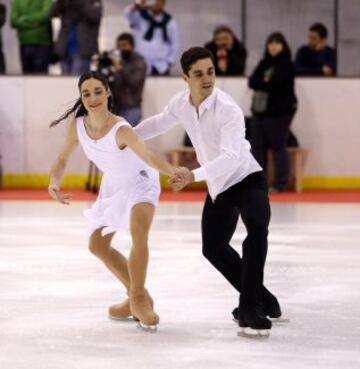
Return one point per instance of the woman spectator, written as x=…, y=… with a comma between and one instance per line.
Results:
x=273, y=106
x=229, y=53
x=2, y=22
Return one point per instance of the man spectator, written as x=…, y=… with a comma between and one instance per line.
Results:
x=129, y=79
x=155, y=34
x=2, y=22
x=317, y=58
x=78, y=38
x=31, y=19
x=229, y=53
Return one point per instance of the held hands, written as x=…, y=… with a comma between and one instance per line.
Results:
x=182, y=176
x=54, y=191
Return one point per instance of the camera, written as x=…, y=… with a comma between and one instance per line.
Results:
x=103, y=64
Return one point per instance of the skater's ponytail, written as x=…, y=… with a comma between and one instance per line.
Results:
x=79, y=109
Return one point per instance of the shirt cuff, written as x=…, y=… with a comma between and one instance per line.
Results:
x=199, y=174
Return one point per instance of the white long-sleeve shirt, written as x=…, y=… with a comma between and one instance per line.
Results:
x=217, y=131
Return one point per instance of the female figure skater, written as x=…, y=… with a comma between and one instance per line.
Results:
x=128, y=193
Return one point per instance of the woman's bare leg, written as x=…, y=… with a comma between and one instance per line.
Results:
x=140, y=302
x=100, y=246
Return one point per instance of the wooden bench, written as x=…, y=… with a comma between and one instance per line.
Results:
x=181, y=155
x=297, y=156
x=93, y=180
x=1, y=175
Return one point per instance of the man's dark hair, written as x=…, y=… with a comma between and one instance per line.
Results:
x=192, y=55
x=126, y=37
x=320, y=29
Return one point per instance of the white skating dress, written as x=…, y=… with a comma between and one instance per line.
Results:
x=127, y=180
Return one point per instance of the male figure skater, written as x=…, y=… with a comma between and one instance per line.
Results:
x=236, y=184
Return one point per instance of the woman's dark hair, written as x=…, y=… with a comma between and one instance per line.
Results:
x=223, y=28
x=192, y=55
x=79, y=108
x=278, y=38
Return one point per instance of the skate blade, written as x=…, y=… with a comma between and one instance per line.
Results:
x=258, y=334
x=122, y=319
x=147, y=328
x=279, y=320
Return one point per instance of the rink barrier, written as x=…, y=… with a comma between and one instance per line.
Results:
x=77, y=181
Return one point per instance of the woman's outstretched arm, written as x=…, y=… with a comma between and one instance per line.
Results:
x=58, y=168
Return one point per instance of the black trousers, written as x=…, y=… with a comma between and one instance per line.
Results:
x=249, y=199
x=35, y=58
x=2, y=61
x=272, y=133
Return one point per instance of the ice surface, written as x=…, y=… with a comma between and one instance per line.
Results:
x=54, y=294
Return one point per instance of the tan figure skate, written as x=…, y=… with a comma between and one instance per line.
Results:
x=141, y=307
x=122, y=311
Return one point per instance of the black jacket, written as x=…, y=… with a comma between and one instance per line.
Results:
x=310, y=62
x=2, y=19
x=129, y=83
x=236, y=58
x=87, y=15
x=280, y=87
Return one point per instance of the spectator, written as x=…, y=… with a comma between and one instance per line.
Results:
x=317, y=58
x=2, y=22
x=155, y=32
x=78, y=38
x=129, y=80
x=2, y=68
x=31, y=19
x=274, y=105
x=229, y=53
